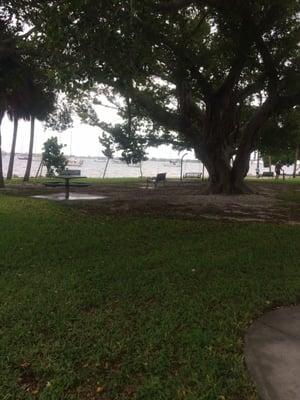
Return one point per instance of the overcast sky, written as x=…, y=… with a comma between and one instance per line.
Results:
x=81, y=140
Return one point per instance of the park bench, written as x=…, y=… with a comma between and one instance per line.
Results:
x=267, y=174
x=71, y=172
x=192, y=175
x=161, y=177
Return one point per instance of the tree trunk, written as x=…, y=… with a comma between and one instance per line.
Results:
x=270, y=164
x=106, y=165
x=224, y=178
x=296, y=160
x=141, y=171
x=224, y=181
x=13, y=149
x=29, y=161
x=2, y=185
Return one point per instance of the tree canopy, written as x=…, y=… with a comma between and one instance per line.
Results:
x=196, y=69
x=53, y=158
x=280, y=137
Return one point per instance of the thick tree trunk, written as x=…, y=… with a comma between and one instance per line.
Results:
x=29, y=161
x=224, y=178
x=295, y=162
x=2, y=185
x=13, y=150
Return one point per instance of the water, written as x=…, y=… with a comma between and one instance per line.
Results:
x=94, y=167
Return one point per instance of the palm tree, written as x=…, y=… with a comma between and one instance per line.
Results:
x=41, y=103
x=29, y=160
x=13, y=149
x=15, y=113
x=13, y=87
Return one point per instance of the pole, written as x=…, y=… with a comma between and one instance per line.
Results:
x=181, y=164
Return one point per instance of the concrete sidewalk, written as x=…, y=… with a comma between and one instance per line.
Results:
x=273, y=354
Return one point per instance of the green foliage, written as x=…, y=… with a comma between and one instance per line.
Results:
x=129, y=137
x=281, y=136
x=108, y=143
x=131, y=144
x=61, y=117
x=53, y=158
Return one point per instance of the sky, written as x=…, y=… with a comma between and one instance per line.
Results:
x=81, y=140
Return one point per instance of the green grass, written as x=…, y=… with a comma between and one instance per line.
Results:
x=123, y=308
x=287, y=181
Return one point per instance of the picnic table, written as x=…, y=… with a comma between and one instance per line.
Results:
x=67, y=176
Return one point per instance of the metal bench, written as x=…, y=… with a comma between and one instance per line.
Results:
x=267, y=174
x=192, y=175
x=161, y=177
x=71, y=172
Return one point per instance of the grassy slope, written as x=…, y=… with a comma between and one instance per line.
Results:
x=117, y=308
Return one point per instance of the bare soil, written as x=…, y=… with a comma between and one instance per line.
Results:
x=268, y=203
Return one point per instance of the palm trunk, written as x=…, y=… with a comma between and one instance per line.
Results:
x=13, y=149
x=29, y=161
x=2, y=185
x=105, y=169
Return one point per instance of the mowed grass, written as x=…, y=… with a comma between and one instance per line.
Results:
x=133, y=308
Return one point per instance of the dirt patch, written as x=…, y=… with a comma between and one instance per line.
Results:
x=186, y=200
x=28, y=381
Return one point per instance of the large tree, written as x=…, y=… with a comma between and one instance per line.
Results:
x=192, y=66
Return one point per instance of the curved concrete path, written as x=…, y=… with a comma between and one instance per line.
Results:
x=273, y=354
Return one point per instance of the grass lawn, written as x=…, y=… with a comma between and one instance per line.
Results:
x=111, y=308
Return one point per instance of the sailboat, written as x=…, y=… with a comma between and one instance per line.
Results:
x=73, y=161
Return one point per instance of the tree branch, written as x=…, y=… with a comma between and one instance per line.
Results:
x=182, y=53
x=250, y=132
x=252, y=88
x=233, y=75
x=27, y=34
x=269, y=65
x=156, y=112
